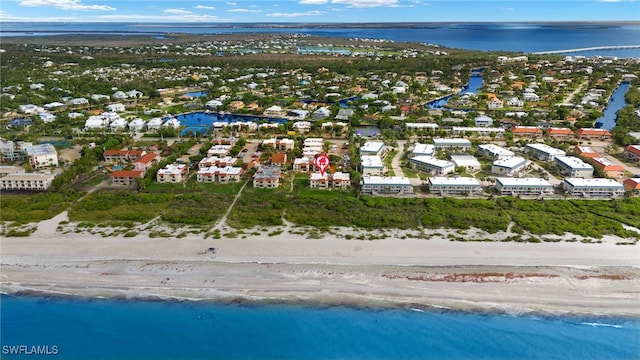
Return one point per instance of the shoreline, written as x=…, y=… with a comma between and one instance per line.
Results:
x=548, y=278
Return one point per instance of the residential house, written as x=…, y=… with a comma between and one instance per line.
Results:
x=274, y=111
x=432, y=165
x=515, y=102
x=117, y=107
x=632, y=152
x=267, y=177
x=172, y=173
x=126, y=177
x=593, y=134
x=26, y=181
x=115, y=156
x=510, y=166
x=483, y=121
x=321, y=113
x=494, y=103
x=597, y=187
x=154, y=124
x=454, y=186
x=608, y=167
x=386, y=185
x=118, y=125
x=523, y=186
x=344, y=114
x=632, y=185
x=571, y=166
x=137, y=125
x=543, y=152
x=279, y=159
x=493, y=151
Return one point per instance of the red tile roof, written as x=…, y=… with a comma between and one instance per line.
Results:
x=127, y=173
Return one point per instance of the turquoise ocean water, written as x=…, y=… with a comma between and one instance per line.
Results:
x=119, y=329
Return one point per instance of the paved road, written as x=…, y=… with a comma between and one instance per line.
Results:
x=396, y=161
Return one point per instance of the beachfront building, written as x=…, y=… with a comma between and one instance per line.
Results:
x=510, y=166
x=304, y=164
x=319, y=181
x=632, y=185
x=432, y=165
x=454, y=186
x=468, y=162
x=543, y=152
x=572, y=166
x=373, y=148
x=217, y=174
x=493, y=151
x=422, y=150
x=172, y=173
x=267, y=177
x=26, y=181
x=597, y=187
x=42, y=156
x=632, y=152
x=340, y=180
x=371, y=165
x=386, y=185
x=526, y=131
x=586, y=152
x=560, y=133
x=454, y=143
x=593, y=134
x=496, y=132
x=146, y=161
x=523, y=186
x=126, y=177
x=608, y=167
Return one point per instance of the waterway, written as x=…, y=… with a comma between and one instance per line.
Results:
x=616, y=103
x=475, y=83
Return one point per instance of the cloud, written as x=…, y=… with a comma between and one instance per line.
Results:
x=178, y=11
x=313, y=2
x=232, y=3
x=298, y=14
x=65, y=5
x=244, y=10
x=365, y=3
x=191, y=17
x=203, y=7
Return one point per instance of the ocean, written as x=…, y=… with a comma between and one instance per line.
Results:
x=518, y=37
x=117, y=329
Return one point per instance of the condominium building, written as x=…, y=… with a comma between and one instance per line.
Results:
x=454, y=186
x=432, y=165
x=386, y=185
x=172, y=173
x=597, y=187
x=543, y=152
x=572, y=166
x=510, y=166
x=608, y=167
x=494, y=151
x=26, y=181
x=454, y=143
x=523, y=186
x=372, y=165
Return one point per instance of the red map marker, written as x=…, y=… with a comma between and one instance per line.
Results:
x=322, y=162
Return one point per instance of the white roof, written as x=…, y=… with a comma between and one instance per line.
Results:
x=587, y=150
x=372, y=146
x=422, y=125
x=546, y=149
x=429, y=160
x=524, y=182
x=424, y=149
x=458, y=181
x=464, y=160
x=341, y=176
x=510, y=162
x=573, y=162
x=478, y=129
x=593, y=183
x=371, y=161
x=385, y=180
x=495, y=149
x=317, y=176
x=454, y=141
x=604, y=161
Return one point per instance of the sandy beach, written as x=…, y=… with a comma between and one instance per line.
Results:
x=548, y=277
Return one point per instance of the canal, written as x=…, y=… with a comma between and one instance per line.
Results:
x=616, y=102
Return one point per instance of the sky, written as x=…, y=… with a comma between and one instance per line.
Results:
x=314, y=11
